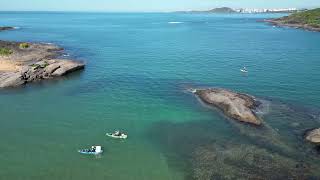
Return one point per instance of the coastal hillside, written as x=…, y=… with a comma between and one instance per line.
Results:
x=215, y=10
x=222, y=10
x=309, y=20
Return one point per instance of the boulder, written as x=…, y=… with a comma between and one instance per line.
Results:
x=313, y=136
x=234, y=105
x=66, y=67
x=11, y=79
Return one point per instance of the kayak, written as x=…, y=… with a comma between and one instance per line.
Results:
x=122, y=136
x=243, y=70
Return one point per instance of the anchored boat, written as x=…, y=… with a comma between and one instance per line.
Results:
x=244, y=70
x=117, y=135
x=95, y=150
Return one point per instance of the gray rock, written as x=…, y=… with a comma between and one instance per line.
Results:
x=313, y=136
x=235, y=105
x=67, y=67
x=11, y=79
x=24, y=69
x=52, y=67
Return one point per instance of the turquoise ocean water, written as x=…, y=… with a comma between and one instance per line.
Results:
x=139, y=66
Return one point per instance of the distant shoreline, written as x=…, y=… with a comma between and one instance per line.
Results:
x=279, y=23
x=308, y=20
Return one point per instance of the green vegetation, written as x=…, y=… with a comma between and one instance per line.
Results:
x=45, y=64
x=41, y=65
x=5, y=52
x=310, y=17
x=35, y=66
x=24, y=45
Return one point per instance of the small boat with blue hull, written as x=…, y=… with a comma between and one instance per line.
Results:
x=95, y=150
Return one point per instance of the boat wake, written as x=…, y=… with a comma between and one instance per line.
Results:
x=175, y=22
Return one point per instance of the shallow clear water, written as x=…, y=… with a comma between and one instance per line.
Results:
x=138, y=69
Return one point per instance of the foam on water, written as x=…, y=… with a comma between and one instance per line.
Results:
x=175, y=22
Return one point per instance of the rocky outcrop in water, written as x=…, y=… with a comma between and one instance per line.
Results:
x=4, y=28
x=313, y=136
x=234, y=105
x=22, y=63
x=52, y=68
x=231, y=150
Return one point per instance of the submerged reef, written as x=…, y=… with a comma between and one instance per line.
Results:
x=216, y=149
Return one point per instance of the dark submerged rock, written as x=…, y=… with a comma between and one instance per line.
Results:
x=4, y=28
x=207, y=153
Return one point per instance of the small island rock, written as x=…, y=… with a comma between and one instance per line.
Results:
x=235, y=105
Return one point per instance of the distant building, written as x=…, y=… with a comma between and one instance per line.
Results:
x=279, y=10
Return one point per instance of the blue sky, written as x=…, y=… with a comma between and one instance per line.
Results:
x=148, y=5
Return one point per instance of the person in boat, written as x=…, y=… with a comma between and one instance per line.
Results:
x=117, y=133
x=93, y=149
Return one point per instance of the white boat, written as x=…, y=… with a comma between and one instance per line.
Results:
x=95, y=150
x=244, y=70
x=122, y=136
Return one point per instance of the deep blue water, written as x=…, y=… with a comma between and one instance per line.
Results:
x=138, y=68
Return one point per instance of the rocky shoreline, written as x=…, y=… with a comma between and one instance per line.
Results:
x=281, y=23
x=307, y=20
x=234, y=105
x=24, y=62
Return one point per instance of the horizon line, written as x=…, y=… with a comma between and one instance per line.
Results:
x=142, y=11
